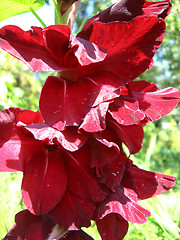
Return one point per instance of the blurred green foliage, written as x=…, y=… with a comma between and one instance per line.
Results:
x=19, y=87
x=10, y=200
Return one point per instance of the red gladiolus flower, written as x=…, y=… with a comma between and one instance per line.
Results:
x=130, y=45
x=31, y=227
x=74, y=168
x=40, y=152
x=132, y=103
x=96, y=66
x=54, y=161
x=128, y=184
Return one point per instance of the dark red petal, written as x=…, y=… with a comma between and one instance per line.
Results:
x=86, y=52
x=102, y=150
x=144, y=101
x=70, y=139
x=78, y=165
x=43, y=175
x=124, y=203
x=73, y=212
x=126, y=10
x=15, y=115
x=66, y=104
x=94, y=120
x=29, y=47
x=142, y=86
x=111, y=174
x=15, y=147
x=78, y=235
x=160, y=9
x=30, y=227
x=57, y=42
x=40, y=229
x=130, y=46
x=131, y=136
x=125, y=110
x=147, y=184
x=158, y=103
x=112, y=227
x=63, y=103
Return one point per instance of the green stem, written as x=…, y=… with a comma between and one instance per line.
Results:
x=38, y=18
x=58, y=18
x=65, y=17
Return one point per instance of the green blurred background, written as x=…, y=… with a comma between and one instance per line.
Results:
x=19, y=87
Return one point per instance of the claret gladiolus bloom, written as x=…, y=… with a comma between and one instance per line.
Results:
x=71, y=154
x=52, y=160
x=95, y=67
x=49, y=161
x=29, y=226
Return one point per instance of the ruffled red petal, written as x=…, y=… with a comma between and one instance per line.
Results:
x=124, y=203
x=15, y=147
x=31, y=227
x=144, y=101
x=126, y=10
x=147, y=184
x=70, y=139
x=130, y=46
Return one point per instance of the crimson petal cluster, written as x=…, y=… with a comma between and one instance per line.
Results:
x=71, y=154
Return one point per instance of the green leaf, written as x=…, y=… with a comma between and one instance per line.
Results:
x=11, y=8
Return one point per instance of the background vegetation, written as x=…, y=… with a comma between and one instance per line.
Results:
x=19, y=87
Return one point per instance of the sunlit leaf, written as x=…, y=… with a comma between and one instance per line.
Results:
x=11, y=8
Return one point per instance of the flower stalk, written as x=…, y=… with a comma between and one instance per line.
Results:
x=37, y=17
x=57, y=233
x=58, y=17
